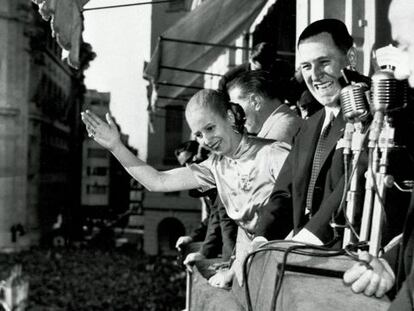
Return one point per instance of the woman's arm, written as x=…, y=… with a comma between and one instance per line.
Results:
x=107, y=135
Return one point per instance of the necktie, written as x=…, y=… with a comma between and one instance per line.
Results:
x=316, y=165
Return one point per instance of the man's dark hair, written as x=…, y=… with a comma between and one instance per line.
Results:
x=197, y=154
x=334, y=27
x=259, y=82
x=190, y=146
x=264, y=53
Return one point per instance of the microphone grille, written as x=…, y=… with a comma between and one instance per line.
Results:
x=387, y=92
x=354, y=102
x=383, y=89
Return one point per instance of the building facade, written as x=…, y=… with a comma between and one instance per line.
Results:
x=105, y=183
x=39, y=140
x=95, y=160
x=14, y=124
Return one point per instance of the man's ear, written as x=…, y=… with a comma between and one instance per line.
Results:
x=351, y=55
x=255, y=101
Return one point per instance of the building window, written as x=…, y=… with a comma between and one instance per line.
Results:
x=136, y=208
x=96, y=189
x=97, y=153
x=97, y=171
x=136, y=196
x=173, y=133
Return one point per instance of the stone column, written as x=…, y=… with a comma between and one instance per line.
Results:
x=14, y=78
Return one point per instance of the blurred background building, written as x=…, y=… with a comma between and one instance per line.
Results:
x=41, y=136
x=40, y=103
x=105, y=183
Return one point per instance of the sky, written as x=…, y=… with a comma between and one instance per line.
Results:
x=121, y=39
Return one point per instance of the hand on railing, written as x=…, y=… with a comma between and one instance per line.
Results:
x=191, y=258
x=222, y=279
x=182, y=242
x=376, y=281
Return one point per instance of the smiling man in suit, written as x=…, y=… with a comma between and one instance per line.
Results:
x=310, y=183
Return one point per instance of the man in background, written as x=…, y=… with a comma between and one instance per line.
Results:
x=262, y=99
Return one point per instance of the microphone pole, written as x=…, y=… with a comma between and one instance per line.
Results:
x=355, y=110
x=369, y=194
x=385, y=90
x=372, y=169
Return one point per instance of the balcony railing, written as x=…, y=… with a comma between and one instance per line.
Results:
x=309, y=283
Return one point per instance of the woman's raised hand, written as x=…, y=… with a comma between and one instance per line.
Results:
x=104, y=133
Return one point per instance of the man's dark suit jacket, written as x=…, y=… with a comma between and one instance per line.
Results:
x=401, y=259
x=221, y=233
x=218, y=232
x=292, y=184
x=403, y=266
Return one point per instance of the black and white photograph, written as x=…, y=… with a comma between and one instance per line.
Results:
x=206, y=155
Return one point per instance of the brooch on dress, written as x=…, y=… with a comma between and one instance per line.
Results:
x=245, y=182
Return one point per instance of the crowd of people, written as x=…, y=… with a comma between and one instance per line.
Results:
x=281, y=176
x=93, y=279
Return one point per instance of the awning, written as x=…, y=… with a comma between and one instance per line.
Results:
x=195, y=41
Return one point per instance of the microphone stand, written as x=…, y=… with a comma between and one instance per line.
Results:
x=356, y=146
x=372, y=170
x=354, y=102
x=369, y=194
x=383, y=181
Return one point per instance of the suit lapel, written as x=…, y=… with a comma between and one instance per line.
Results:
x=309, y=141
x=334, y=136
x=306, y=149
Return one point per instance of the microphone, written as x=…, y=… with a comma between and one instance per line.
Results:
x=384, y=90
x=388, y=94
x=354, y=102
x=355, y=110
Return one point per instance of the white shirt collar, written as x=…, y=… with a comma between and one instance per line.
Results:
x=328, y=111
x=335, y=110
